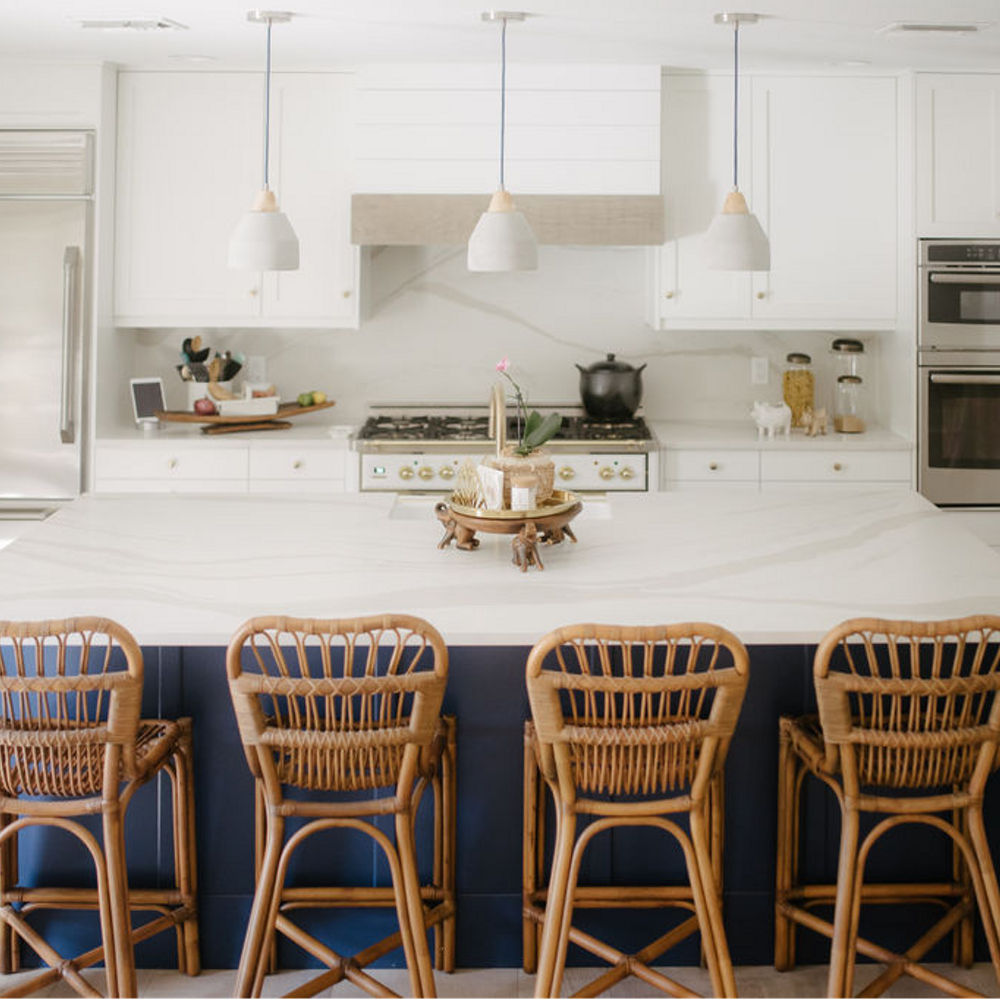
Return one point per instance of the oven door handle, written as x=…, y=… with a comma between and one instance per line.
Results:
x=943, y=379
x=963, y=278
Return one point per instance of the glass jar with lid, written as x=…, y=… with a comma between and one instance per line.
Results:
x=798, y=386
x=849, y=405
x=848, y=357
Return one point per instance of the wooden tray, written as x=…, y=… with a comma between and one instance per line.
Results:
x=217, y=424
x=546, y=525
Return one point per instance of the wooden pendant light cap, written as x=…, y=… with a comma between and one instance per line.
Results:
x=265, y=201
x=735, y=204
x=501, y=202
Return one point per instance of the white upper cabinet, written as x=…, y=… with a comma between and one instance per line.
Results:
x=958, y=162
x=818, y=165
x=190, y=160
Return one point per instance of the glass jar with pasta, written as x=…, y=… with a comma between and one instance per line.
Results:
x=798, y=387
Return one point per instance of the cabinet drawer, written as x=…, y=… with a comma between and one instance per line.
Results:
x=300, y=464
x=834, y=466
x=726, y=465
x=208, y=464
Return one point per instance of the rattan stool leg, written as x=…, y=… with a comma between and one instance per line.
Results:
x=989, y=904
x=705, y=890
x=185, y=848
x=259, y=842
x=962, y=938
x=530, y=794
x=255, y=943
x=121, y=920
x=445, y=804
x=555, y=902
x=406, y=848
x=10, y=954
x=784, y=927
x=841, y=974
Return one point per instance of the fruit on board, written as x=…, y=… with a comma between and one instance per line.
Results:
x=305, y=399
x=204, y=407
x=318, y=397
x=218, y=392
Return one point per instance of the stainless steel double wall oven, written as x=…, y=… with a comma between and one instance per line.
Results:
x=958, y=358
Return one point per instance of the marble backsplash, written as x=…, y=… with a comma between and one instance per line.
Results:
x=433, y=332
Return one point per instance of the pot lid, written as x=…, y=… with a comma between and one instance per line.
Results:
x=609, y=365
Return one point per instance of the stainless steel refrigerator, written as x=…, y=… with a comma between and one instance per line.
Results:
x=46, y=195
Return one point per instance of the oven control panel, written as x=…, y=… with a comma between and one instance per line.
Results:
x=437, y=471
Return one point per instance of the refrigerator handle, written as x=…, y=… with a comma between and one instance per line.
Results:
x=70, y=320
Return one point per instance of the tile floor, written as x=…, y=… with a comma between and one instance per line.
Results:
x=751, y=981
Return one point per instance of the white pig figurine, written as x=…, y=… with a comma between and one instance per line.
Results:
x=772, y=418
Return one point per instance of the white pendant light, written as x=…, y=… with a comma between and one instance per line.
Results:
x=264, y=239
x=502, y=239
x=735, y=240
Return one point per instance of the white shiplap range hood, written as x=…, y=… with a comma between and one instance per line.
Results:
x=582, y=160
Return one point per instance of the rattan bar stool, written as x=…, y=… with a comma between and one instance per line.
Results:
x=72, y=744
x=907, y=733
x=631, y=728
x=342, y=707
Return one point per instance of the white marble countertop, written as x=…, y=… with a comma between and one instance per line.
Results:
x=773, y=567
x=708, y=434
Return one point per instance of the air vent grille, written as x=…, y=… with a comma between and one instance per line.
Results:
x=134, y=24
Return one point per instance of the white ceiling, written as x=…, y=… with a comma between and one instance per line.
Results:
x=792, y=34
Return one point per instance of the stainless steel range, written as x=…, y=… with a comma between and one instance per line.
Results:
x=411, y=449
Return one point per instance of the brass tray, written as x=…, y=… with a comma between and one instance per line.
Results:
x=560, y=502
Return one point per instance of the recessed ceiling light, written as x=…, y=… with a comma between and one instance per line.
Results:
x=135, y=24
x=930, y=28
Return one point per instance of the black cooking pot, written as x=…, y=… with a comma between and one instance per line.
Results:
x=610, y=390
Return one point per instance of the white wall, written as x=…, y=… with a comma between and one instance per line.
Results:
x=434, y=333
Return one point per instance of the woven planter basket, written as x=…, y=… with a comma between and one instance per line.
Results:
x=538, y=462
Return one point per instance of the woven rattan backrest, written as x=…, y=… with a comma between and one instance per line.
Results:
x=645, y=711
x=911, y=704
x=70, y=697
x=336, y=705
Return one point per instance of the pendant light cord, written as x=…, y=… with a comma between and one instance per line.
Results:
x=503, y=92
x=736, y=102
x=267, y=103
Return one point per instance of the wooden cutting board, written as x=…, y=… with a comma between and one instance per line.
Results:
x=217, y=424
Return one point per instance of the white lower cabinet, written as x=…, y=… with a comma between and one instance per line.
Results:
x=213, y=467
x=764, y=469
x=729, y=467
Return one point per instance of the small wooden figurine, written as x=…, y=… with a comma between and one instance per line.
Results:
x=464, y=538
x=814, y=421
x=525, y=546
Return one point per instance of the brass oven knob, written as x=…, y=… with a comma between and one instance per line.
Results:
x=406, y=472
x=446, y=472
x=713, y=466
x=425, y=472
x=606, y=472
x=627, y=473
x=566, y=472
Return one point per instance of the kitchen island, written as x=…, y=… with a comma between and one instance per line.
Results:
x=777, y=568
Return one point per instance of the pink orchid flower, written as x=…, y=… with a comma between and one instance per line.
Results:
x=503, y=365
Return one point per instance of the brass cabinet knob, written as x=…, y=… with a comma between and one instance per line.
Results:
x=837, y=467
x=761, y=295
x=172, y=463
x=298, y=463
x=627, y=473
x=713, y=466
x=566, y=472
x=253, y=292
x=406, y=472
x=446, y=472
x=668, y=295
x=606, y=472
x=425, y=472
x=346, y=294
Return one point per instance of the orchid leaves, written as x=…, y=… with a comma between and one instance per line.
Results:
x=538, y=430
